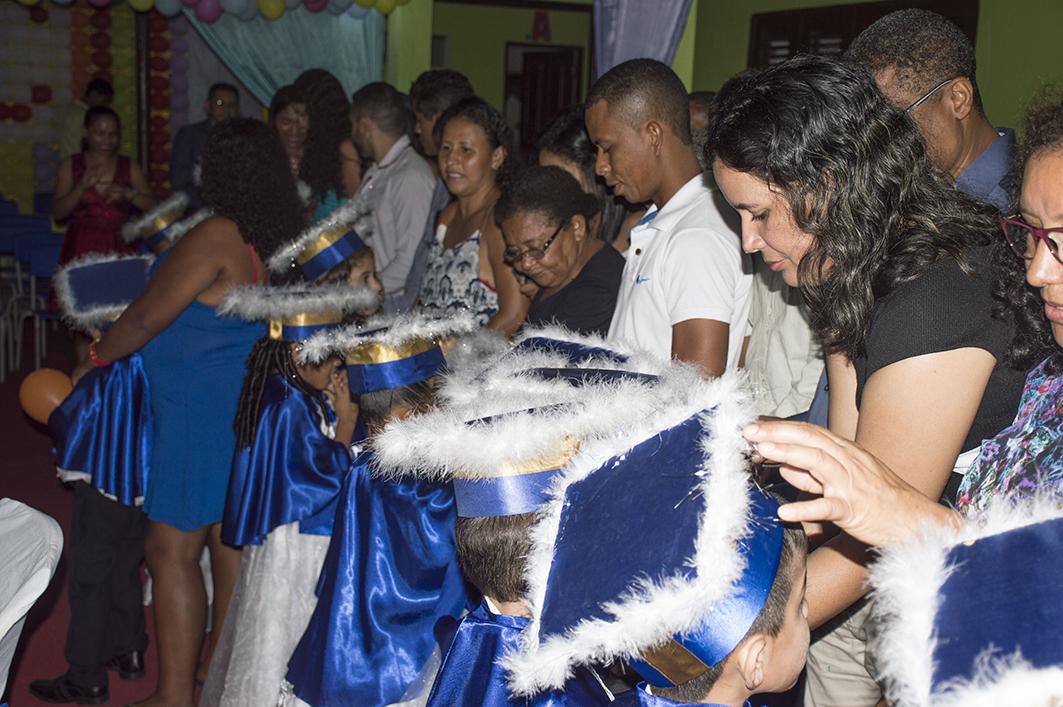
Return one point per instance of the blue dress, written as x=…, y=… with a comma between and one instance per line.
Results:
x=195, y=368
x=471, y=675
x=291, y=471
x=391, y=572
x=102, y=431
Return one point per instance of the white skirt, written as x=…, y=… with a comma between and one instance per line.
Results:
x=270, y=608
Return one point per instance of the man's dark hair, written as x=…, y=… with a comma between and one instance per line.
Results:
x=769, y=621
x=216, y=88
x=922, y=47
x=104, y=88
x=645, y=89
x=436, y=90
x=383, y=104
x=493, y=551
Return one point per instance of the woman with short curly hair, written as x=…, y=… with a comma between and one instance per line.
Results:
x=194, y=360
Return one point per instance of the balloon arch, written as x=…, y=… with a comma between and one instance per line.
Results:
x=211, y=10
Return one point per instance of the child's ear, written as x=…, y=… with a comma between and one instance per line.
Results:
x=752, y=658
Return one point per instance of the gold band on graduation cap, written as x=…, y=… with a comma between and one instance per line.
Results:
x=302, y=326
x=326, y=240
x=375, y=352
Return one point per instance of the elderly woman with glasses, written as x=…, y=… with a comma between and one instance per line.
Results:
x=834, y=187
x=860, y=493
x=546, y=221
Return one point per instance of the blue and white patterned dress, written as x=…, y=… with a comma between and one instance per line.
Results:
x=452, y=281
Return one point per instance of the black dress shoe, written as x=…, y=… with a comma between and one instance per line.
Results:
x=60, y=691
x=129, y=666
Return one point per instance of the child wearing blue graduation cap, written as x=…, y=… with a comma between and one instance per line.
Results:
x=334, y=251
x=503, y=449
x=294, y=426
x=655, y=549
x=390, y=571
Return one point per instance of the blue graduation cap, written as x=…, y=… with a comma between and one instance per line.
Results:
x=325, y=244
x=296, y=312
x=94, y=290
x=972, y=616
x=390, y=351
x=693, y=549
x=163, y=223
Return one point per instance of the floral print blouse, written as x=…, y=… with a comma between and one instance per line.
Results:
x=1027, y=456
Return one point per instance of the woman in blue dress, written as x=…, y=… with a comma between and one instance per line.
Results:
x=195, y=359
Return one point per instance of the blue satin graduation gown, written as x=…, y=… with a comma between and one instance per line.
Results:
x=291, y=471
x=470, y=674
x=641, y=698
x=391, y=572
x=102, y=430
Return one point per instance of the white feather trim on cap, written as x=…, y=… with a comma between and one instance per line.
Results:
x=533, y=419
x=394, y=330
x=169, y=209
x=261, y=302
x=651, y=611
x=78, y=316
x=353, y=213
x=906, y=580
x=463, y=385
x=179, y=229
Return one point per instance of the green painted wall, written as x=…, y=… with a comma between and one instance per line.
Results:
x=409, y=43
x=477, y=37
x=1017, y=47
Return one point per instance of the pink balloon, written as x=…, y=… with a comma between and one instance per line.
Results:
x=208, y=10
x=316, y=5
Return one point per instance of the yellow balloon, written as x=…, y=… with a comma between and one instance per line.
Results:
x=271, y=9
x=142, y=5
x=385, y=7
x=400, y=3
x=365, y=3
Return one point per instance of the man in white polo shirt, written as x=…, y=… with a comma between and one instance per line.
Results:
x=686, y=286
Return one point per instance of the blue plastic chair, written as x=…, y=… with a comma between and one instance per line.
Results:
x=43, y=262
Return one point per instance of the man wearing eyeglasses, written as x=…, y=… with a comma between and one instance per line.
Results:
x=223, y=103
x=924, y=64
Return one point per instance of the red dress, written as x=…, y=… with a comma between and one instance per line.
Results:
x=96, y=225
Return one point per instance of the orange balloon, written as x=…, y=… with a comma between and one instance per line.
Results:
x=42, y=391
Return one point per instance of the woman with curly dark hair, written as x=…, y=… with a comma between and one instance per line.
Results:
x=834, y=188
x=194, y=360
x=868, y=500
x=466, y=268
x=330, y=165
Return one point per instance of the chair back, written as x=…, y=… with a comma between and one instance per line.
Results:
x=30, y=545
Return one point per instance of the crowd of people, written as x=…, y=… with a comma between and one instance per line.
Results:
x=407, y=391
